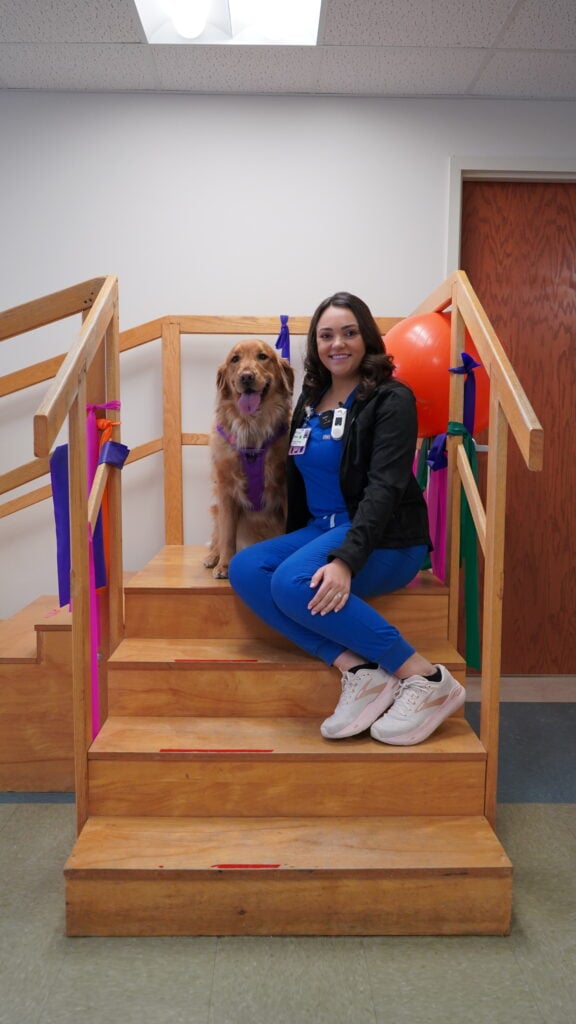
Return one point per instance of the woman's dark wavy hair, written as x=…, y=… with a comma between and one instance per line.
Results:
x=376, y=365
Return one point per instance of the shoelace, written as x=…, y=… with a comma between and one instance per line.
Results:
x=409, y=694
x=350, y=685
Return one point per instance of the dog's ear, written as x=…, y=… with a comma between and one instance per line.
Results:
x=287, y=374
x=222, y=380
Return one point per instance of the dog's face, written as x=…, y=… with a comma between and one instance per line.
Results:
x=252, y=372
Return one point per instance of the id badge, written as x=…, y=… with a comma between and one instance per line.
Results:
x=299, y=441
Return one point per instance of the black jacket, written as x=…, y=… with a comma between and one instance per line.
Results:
x=384, y=500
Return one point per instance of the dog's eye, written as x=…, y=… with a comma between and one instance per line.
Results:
x=262, y=355
x=235, y=359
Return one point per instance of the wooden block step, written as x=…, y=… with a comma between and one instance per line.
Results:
x=18, y=642
x=175, y=596
x=230, y=677
x=259, y=766
x=288, y=876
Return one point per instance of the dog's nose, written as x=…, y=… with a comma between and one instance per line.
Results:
x=247, y=378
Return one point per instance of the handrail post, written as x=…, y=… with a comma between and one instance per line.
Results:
x=80, y=598
x=115, y=567
x=454, y=486
x=493, y=595
x=172, y=430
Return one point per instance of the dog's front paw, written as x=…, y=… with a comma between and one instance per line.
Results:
x=211, y=560
x=220, y=572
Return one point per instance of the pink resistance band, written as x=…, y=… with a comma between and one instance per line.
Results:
x=92, y=441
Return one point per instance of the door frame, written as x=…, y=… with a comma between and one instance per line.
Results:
x=483, y=168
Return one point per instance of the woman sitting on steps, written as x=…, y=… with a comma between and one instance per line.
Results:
x=357, y=528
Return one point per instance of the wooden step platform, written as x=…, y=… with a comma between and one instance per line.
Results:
x=246, y=677
x=175, y=596
x=288, y=876
x=233, y=766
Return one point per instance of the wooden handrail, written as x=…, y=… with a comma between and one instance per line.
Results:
x=49, y=308
x=91, y=365
x=56, y=405
x=458, y=292
x=521, y=418
x=509, y=409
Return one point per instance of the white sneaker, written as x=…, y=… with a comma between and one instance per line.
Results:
x=420, y=707
x=366, y=694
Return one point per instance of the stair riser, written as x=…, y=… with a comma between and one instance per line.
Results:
x=286, y=903
x=55, y=646
x=36, y=734
x=267, y=692
x=197, y=616
x=272, y=788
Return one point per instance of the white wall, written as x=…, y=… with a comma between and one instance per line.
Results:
x=220, y=205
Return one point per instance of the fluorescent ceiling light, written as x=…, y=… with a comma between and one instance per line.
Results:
x=232, y=22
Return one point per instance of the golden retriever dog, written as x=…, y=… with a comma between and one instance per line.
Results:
x=249, y=444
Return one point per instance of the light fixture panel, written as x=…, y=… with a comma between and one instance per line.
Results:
x=231, y=22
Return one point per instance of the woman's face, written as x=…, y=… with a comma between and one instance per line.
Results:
x=341, y=348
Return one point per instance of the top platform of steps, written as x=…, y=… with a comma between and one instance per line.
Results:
x=175, y=596
x=180, y=567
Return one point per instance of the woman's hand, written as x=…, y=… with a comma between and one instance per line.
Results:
x=333, y=583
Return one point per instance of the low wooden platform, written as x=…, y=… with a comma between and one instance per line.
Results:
x=36, y=736
x=297, y=876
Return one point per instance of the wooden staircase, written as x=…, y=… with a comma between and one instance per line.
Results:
x=215, y=807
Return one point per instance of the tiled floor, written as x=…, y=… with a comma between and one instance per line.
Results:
x=527, y=978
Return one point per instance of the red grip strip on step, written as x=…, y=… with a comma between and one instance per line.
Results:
x=215, y=750
x=228, y=867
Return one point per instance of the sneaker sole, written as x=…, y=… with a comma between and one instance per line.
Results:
x=367, y=716
x=427, y=727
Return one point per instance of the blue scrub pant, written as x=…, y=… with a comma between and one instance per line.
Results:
x=273, y=579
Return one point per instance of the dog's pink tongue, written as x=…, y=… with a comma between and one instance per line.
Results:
x=248, y=404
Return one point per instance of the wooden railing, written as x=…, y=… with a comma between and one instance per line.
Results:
x=509, y=409
x=97, y=349
x=89, y=373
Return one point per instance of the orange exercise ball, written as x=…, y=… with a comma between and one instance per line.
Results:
x=420, y=347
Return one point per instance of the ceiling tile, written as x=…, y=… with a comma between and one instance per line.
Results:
x=237, y=69
x=414, y=23
x=409, y=71
x=70, y=21
x=542, y=25
x=77, y=66
x=518, y=74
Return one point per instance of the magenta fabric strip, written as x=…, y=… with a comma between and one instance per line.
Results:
x=92, y=456
x=94, y=640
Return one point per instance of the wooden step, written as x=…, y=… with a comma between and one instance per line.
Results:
x=18, y=639
x=36, y=741
x=259, y=766
x=230, y=677
x=288, y=876
x=175, y=596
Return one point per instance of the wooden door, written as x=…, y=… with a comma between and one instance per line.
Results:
x=519, y=250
